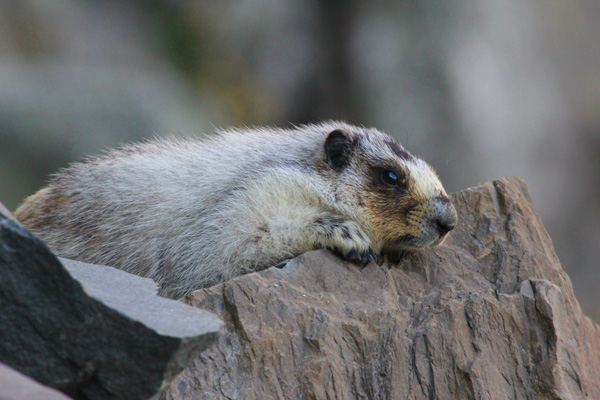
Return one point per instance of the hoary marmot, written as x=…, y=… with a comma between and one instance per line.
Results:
x=193, y=213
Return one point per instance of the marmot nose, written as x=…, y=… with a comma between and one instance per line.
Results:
x=444, y=225
x=445, y=218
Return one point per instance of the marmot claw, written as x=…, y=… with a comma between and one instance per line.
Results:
x=363, y=258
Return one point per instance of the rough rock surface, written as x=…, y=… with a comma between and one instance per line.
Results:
x=488, y=315
x=53, y=332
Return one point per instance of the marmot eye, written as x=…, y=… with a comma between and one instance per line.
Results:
x=389, y=178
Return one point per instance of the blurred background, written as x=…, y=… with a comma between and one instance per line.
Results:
x=480, y=89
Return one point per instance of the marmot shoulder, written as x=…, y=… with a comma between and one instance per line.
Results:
x=192, y=213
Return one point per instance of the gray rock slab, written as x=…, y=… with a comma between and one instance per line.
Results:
x=54, y=332
x=136, y=297
x=4, y=211
x=16, y=386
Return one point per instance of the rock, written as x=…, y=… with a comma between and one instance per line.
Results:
x=6, y=214
x=136, y=298
x=488, y=315
x=123, y=342
x=16, y=386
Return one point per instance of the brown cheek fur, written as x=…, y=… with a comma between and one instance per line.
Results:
x=393, y=215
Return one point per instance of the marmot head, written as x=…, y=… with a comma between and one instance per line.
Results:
x=398, y=198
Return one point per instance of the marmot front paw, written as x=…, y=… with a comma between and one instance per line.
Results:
x=346, y=239
x=363, y=258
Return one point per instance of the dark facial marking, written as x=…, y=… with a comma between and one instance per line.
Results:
x=339, y=146
x=406, y=239
x=443, y=199
x=399, y=150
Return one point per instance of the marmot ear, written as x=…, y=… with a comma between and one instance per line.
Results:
x=338, y=149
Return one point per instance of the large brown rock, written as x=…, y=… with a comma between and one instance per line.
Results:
x=488, y=315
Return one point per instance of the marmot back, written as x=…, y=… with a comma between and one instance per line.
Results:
x=192, y=213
